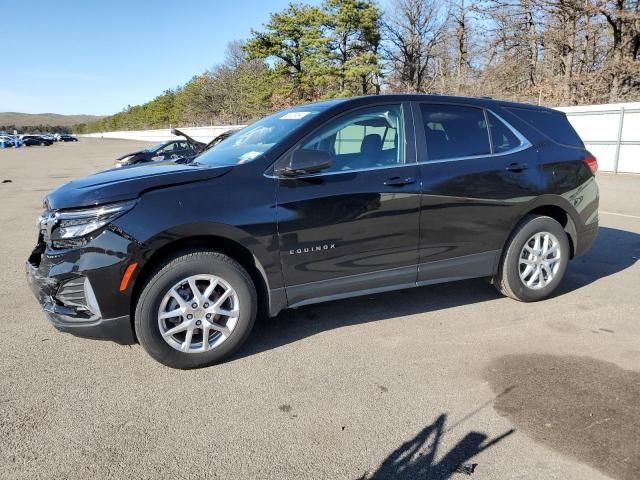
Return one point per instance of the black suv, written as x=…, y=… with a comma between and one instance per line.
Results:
x=30, y=140
x=315, y=203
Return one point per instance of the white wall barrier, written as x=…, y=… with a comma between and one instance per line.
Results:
x=202, y=134
x=611, y=132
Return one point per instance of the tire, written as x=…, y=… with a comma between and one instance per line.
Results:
x=515, y=261
x=225, y=272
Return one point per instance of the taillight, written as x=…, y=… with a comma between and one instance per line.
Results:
x=592, y=163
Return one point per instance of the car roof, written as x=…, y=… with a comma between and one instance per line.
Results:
x=485, y=102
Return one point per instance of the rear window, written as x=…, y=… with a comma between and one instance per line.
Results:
x=553, y=125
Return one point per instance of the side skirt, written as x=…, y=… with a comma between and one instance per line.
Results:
x=459, y=268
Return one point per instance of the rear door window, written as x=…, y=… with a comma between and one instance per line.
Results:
x=454, y=131
x=553, y=124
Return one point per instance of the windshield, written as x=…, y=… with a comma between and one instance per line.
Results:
x=155, y=147
x=254, y=140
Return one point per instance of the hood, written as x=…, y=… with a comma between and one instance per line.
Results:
x=196, y=145
x=121, y=184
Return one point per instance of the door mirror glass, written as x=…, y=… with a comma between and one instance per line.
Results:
x=308, y=161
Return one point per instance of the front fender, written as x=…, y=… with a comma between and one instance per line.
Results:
x=209, y=209
x=262, y=257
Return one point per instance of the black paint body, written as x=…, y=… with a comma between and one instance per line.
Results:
x=319, y=237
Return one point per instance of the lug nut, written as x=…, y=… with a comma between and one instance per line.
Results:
x=198, y=323
x=206, y=305
x=194, y=305
x=208, y=315
x=189, y=317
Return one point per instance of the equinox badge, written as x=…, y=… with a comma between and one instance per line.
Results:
x=317, y=248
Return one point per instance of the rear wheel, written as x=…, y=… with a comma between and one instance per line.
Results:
x=195, y=310
x=535, y=260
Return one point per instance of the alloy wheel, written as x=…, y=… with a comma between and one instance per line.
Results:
x=198, y=313
x=539, y=260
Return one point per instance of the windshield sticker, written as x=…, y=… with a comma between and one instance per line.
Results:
x=294, y=115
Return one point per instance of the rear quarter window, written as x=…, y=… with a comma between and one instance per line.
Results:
x=553, y=124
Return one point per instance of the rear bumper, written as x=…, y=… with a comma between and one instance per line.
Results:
x=586, y=238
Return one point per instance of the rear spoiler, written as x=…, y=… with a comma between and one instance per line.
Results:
x=196, y=145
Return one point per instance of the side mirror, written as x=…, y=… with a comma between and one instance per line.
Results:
x=308, y=161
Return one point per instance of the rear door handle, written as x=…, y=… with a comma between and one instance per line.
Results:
x=399, y=181
x=517, y=167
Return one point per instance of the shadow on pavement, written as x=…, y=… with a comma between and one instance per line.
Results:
x=416, y=458
x=296, y=324
x=613, y=251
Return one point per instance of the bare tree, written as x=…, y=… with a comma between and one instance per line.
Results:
x=413, y=28
x=623, y=19
x=460, y=16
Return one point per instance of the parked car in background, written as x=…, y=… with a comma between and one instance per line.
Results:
x=171, y=150
x=67, y=138
x=30, y=140
x=200, y=147
x=315, y=203
x=10, y=141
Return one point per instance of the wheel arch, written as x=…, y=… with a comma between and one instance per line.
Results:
x=560, y=213
x=221, y=244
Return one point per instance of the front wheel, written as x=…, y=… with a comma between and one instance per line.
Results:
x=195, y=310
x=535, y=259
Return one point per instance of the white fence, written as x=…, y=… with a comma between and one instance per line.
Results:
x=611, y=132
x=202, y=134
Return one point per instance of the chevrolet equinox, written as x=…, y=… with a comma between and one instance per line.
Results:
x=315, y=203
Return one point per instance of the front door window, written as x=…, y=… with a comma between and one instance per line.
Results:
x=367, y=138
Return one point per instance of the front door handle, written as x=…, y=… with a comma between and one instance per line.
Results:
x=517, y=167
x=399, y=181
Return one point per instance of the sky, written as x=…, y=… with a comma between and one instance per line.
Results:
x=98, y=56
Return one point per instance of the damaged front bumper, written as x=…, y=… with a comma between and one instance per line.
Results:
x=68, y=299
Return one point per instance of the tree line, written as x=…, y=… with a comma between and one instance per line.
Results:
x=554, y=52
x=25, y=129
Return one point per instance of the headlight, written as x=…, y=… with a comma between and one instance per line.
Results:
x=78, y=223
